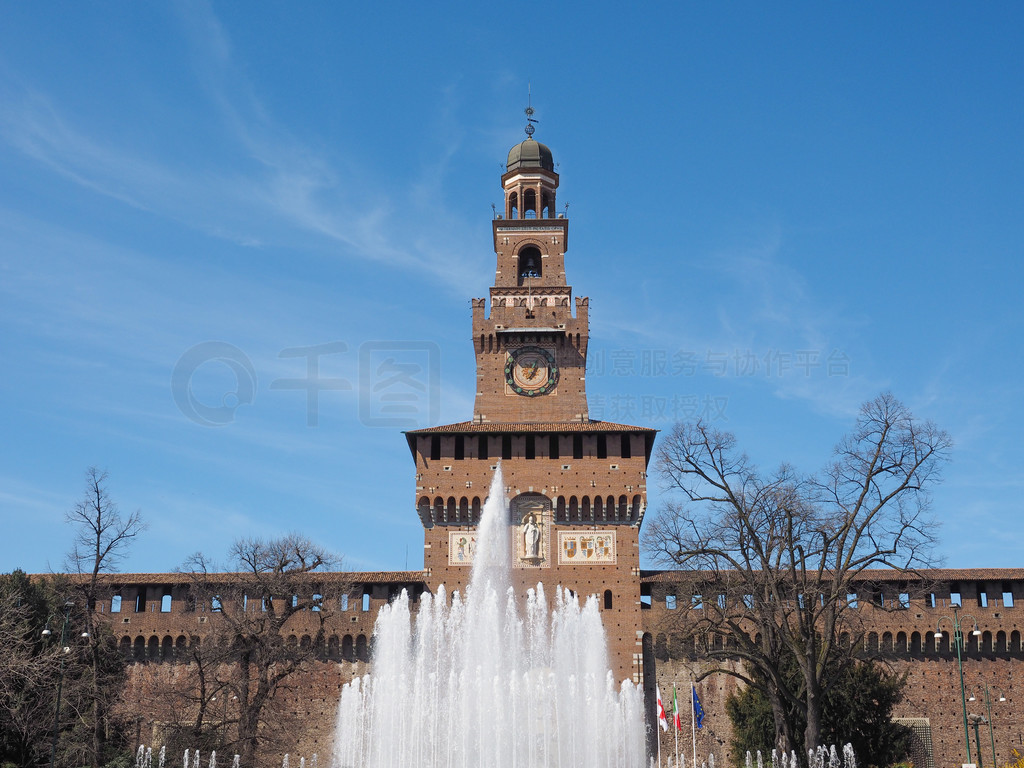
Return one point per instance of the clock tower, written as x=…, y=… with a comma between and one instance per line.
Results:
x=577, y=488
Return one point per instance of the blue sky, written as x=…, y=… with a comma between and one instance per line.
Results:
x=777, y=212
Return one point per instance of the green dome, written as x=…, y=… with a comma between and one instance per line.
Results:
x=530, y=154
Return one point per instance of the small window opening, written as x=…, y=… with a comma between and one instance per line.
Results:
x=140, y=603
x=602, y=446
x=435, y=448
x=625, y=450
x=670, y=602
x=982, y=599
x=1008, y=599
x=531, y=447
x=366, y=601
x=318, y=601
x=506, y=446
x=115, y=604
x=954, y=599
x=904, y=600
x=482, y=447
x=215, y=603
x=460, y=447
x=344, y=602
x=165, y=604
x=553, y=446
x=697, y=602
x=577, y=446
x=851, y=599
x=607, y=599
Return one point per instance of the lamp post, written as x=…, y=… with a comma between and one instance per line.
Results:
x=958, y=641
x=988, y=707
x=64, y=651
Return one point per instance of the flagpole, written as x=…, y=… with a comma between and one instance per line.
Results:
x=693, y=720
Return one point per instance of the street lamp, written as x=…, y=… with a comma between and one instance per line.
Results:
x=988, y=706
x=65, y=650
x=958, y=641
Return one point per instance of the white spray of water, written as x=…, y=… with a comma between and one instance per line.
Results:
x=477, y=682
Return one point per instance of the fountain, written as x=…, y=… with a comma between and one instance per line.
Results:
x=478, y=682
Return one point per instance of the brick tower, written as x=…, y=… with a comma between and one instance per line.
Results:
x=577, y=488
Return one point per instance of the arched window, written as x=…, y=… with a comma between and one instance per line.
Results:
x=333, y=648
x=529, y=204
x=126, y=648
x=513, y=205
x=153, y=651
x=901, y=642
x=347, y=649
x=167, y=648
x=362, y=651
x=530, y=267
x=915, y=643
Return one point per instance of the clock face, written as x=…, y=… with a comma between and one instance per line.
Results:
x=531, y=371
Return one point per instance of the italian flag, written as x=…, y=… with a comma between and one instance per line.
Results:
x=662, y=720
x=675, y=711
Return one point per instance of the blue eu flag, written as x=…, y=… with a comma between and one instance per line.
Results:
x=698, y=710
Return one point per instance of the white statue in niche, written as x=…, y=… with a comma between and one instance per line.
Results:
x=531, y=539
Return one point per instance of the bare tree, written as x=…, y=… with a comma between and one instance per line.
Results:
x=101, y=541
x=778, y=554
x=271, y=590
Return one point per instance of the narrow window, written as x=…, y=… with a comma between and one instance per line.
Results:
x=851, y=599
x=954, y=599
x=531, y=447
x=904, y=600
x=602, y=446
x=670, y=602
x=115, y=604
x=140, y=603
x=482, y=447
x=721, y=602
x=344, y=602
x=1008, y=599
x=366, y=601
x=748, y=601
x=295, y=601
x=215, y=603
x=506, y=446
x=931, y=600
x=318, y=601
x=245, y=603
x=460, y=447
x=165, y=604
x=625, y=451
x=577, y=446
x=607, y=599
x=553, y=446
x=982, y=599
x=435, y=448
x=697, y=602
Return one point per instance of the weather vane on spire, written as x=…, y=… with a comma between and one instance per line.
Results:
x=529, y=111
